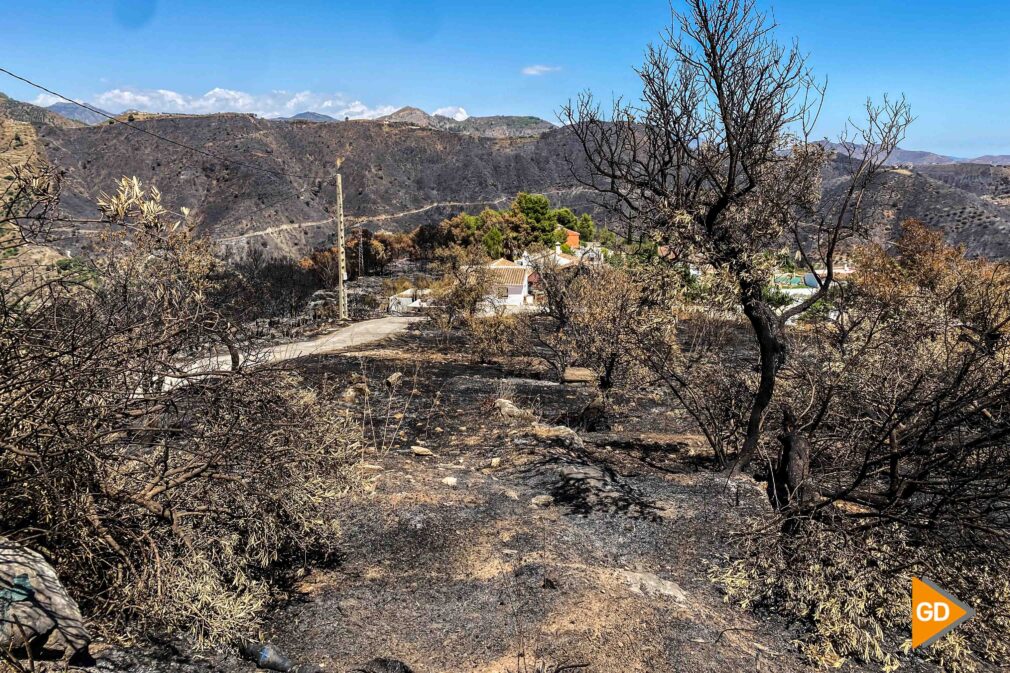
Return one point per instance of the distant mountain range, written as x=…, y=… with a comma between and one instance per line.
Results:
x=919, y=158
x=497, y=126
x=80, y=114
x=309, y=117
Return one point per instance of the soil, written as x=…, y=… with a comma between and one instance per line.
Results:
x=515, y=544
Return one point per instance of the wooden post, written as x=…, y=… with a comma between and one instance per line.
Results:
x=361, y=250
x=341, y=259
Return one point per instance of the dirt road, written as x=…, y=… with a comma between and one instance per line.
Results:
x=356, y=334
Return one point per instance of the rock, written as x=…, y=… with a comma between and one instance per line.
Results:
x=542, y=500
x=265, y=655
x=578, y=375
x=560, y=433
x=648, y=583
x=588, y=475
x=495, y=462
x=421, y=451
x=34, y=606
x=450, y=481
x=355, y=392
x=383, y=666
x=394, y=380
x=510, y=411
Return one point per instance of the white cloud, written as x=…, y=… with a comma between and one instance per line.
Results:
x=45, y=100
x=453, y=112
x=534, y=70
x=272, y=104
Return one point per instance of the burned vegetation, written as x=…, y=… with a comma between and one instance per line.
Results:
x=724, y=441
x=166, y=496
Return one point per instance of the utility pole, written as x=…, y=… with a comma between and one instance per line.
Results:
x=361, y=250
x=341, y=259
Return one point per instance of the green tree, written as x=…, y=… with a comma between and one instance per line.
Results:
x=535, y=207
x=566, y=218
x=494, y=243
x=586, y=227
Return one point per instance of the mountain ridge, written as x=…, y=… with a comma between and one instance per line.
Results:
x=33, y=114
x=399, y=175
x=494, y=126
x=79, y=113
x=902, y=156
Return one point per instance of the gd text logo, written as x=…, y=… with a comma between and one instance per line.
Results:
x=935, y=612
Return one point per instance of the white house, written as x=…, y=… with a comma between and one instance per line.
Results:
x=510, y=283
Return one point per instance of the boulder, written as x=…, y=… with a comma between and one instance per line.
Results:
x=578, y=375
x=542, y=500
x=357, y=391
x=510, y=411
x=560, y=434
x=35, y=609
x=645, y=583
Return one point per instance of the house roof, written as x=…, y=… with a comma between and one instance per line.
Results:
x=508, y=275
x=505, y=272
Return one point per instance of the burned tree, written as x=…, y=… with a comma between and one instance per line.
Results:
x=716, y=164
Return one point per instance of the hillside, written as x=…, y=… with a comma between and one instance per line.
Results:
x=956, y=198
x=396, y=176
x=408, y=169
x=920, y=158
x=33, y=114
x=990, y=182
x=497, y=126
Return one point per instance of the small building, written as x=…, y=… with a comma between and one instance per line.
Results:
x=592, y=253
x=509, y=283
x=409, y=301
x=572, y=238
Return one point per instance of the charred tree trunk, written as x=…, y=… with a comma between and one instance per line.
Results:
x=787, y=482
x=772, y=352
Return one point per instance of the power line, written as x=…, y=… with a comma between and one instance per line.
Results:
x=160, y=137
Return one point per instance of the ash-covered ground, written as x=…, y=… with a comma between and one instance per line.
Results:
x=494, y=538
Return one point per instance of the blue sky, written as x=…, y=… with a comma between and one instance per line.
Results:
x=365, y=58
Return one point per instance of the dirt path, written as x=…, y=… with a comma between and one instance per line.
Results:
x=352, y=336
